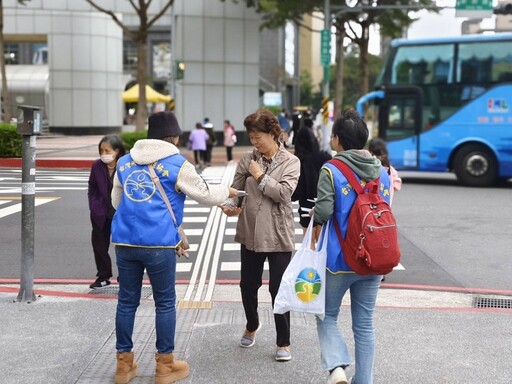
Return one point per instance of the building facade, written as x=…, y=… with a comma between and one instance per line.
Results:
x=83, y=62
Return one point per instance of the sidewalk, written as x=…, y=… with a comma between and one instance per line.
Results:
x=424, y=335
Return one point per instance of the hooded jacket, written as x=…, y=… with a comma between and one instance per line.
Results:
x=142, y=218
x=336, y=197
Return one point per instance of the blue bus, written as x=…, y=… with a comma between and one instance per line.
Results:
x=445, y=104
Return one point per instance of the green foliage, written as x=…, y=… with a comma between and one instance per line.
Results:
x=274, y=110
x=306, y=88
x=129, y=138
x=351, y=77
x=10, y=141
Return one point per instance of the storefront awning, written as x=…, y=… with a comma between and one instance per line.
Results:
x=132, y=95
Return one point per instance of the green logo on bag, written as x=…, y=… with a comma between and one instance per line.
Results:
x=308, y=285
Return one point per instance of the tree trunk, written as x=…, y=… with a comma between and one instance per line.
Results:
x=6, y=99
x=363, y=61
x=340, y=57
x=141, y=116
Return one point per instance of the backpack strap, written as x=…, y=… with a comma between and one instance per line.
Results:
x=352, y=179
x=350, y=175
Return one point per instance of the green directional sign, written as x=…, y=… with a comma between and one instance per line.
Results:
x=473, y=8
x=325, y=48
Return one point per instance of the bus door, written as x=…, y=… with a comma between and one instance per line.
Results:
x=400, y=119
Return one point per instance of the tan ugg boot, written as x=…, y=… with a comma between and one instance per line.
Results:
x=169, y=370
x=126, y=367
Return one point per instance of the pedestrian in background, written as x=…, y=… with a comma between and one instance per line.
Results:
x=378, y=148
x=265, y=227
x=146, y=237
x=229, y=139
x=335, y=200
x=307, y=149
x=101, y=210
x=197, y=143
x=284, y=123
x=212, y=140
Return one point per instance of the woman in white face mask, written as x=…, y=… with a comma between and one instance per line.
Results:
x=110, y=149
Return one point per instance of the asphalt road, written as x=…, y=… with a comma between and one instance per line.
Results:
x=450, y=235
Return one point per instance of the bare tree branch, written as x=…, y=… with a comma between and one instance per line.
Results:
x=161, y=13
x=115, y=18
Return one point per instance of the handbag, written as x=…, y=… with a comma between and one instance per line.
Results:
x=302, y=287
x=181, y=249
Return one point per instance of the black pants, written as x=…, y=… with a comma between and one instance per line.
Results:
x=251, y=281
x=100, y=239
x=208, y=154
x=199, y=156
x=229, y=153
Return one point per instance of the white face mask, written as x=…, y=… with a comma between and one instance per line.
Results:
x=107, y=159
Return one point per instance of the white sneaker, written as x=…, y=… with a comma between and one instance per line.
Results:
x=337, y=377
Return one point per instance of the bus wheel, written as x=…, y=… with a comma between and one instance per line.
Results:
x=476, y=166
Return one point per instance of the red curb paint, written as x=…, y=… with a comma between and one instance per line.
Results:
x=48, y=163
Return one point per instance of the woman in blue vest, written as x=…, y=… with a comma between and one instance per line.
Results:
x=146, y=238
x=335, y=198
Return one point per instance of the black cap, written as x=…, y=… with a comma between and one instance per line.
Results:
x=163, y=124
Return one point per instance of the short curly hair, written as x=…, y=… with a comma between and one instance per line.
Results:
x=263, y=121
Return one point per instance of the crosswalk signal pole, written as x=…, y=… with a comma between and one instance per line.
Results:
x=28, y=125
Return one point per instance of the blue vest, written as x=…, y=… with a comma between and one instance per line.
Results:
x=344, y=197
x=142, y=218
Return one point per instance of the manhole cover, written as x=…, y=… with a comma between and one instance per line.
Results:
x=114, y=290
x=491, y=302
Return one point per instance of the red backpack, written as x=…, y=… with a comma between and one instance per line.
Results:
x=371, y=242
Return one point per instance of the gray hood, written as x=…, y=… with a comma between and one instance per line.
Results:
x=361, y=162
x=148, y=151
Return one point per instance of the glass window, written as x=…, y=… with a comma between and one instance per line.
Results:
x=129, y=56
x=11, y=54
x=485, y=62
x=401, y=121
x=423, y=65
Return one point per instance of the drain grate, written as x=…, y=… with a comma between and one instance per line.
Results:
x=491, y=302
x=114, y=290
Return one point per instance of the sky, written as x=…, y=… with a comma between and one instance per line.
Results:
x=432, y=25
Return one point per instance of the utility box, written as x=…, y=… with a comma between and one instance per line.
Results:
x=29, y=120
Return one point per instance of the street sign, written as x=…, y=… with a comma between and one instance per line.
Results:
x=474, y=9
x=325, y=47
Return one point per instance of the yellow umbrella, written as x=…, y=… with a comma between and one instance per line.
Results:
x=132, y=95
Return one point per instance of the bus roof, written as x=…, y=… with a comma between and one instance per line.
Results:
x=453, y=39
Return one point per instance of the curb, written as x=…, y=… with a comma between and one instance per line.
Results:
x=48, y=163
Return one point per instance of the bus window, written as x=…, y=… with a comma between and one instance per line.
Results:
x=400, y=118
x=423, y=65
x=484, y=63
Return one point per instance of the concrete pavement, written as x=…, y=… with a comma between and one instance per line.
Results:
x=424, y=334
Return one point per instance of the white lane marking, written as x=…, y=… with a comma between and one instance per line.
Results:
x=183, y=267
x=194, y=232
x=230, y=266
x=17, y=207
x=197, y=210
x=195, y=219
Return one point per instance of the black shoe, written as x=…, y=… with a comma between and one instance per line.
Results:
x=100, y=283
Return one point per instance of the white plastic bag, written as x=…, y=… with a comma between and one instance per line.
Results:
x=302, y=287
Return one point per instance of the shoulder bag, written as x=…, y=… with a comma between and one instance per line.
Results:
x=181, y=250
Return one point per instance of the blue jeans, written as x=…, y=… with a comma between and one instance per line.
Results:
x=160, y=265
x=363, y=295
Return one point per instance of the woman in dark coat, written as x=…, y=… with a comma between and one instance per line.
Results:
x=311, y=158
x=110, y=149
